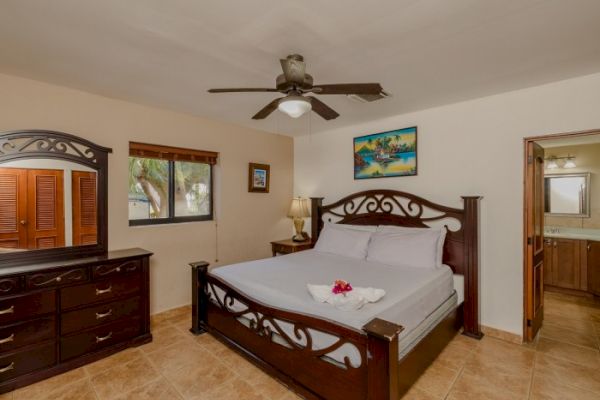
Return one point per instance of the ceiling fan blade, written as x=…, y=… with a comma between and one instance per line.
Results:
x=348, y=88
x=242, y=90
x=294, y=69
x=322, y=109
x=267, y=110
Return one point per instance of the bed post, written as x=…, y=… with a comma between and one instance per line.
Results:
x=315, y=217
x=382, y=359
x=199, y=298
x=472, y=327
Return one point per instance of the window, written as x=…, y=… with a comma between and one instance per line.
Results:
x=169, y=184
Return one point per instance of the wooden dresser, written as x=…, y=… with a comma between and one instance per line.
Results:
x=56, y=316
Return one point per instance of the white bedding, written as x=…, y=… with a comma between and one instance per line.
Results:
x=412, y=294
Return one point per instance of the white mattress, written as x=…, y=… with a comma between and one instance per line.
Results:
x=412, y=294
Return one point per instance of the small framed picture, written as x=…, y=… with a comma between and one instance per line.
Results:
x=258, y=178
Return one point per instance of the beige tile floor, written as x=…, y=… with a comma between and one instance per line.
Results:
x=563, y=363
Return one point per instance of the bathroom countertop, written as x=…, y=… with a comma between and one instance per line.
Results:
x=572, y=233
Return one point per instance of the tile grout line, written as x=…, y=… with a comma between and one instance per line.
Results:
x=163, y=377
x=460, y=371
x=532, y=375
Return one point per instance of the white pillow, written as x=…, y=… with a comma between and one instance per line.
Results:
x=411, y=248
x=442, y=238
x=343, y=241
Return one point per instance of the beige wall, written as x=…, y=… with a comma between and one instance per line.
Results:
x=587, y=159
x=469, y=148
x=246, y=221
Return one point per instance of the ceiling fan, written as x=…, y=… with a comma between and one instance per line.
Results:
x=295, y=82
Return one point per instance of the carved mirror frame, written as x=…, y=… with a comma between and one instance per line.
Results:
x=31, y=144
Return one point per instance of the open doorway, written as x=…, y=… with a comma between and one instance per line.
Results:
x=562, y=238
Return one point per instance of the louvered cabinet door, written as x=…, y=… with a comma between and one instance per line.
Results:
x=85, y=219
x=13, y=208
x=46, y=224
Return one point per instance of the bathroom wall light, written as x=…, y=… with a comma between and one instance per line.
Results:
x=551, y=163
x=570, y=163
x=554, y=162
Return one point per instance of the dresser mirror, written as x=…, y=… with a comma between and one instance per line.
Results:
x=52, y=196
x=567, y=195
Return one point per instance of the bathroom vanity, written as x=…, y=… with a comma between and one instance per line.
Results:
x=572, y=260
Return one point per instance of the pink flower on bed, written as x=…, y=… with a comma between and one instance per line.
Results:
x=341, y=286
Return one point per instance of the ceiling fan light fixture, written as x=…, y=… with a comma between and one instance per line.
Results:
x=294, y=106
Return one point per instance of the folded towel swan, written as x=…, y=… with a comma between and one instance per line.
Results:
x=350, y=301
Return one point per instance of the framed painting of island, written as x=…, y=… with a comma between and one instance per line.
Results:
x=386, y=154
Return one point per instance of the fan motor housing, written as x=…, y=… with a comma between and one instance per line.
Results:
x=282, y=84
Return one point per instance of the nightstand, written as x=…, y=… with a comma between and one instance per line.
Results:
x=288, y=246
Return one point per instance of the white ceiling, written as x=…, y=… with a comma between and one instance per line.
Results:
x=425, y=52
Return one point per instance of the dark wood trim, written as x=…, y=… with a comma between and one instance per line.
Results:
x=472, y=326
x=199, y=306
x=382, y=381
x=36, y=143
x=316, y=221
x=145, y=150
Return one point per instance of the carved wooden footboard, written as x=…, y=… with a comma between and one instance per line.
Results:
x=283, y=343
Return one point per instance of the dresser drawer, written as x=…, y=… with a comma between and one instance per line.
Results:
x=25, y=333
x=24, y=362
x=56, y=278
x=27, y=306
x=90, y=317
x=98, y=338
x=10, y=285
x=116, y=269
x=104, y=290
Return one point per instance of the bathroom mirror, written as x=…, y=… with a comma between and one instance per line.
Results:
x=52, y=196
x=567, y=195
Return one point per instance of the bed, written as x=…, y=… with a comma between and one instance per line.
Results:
x=263, y=310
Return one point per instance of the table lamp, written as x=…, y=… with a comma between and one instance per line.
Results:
x=298, y=211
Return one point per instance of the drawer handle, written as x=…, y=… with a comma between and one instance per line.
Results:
x=9, y=367
x=102, y=291
x=104, y=315
x=9, y=339
x=9, y=310
x=103, y=338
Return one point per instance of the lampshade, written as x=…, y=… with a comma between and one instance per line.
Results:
x=570, y=163
x=551, y=164
x=299, y=208
x=294, y=106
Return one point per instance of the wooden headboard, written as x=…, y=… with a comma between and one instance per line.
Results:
x=390, y=207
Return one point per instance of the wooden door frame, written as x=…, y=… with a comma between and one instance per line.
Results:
x=526, y=185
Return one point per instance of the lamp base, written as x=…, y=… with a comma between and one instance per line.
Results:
x=299, y=225
x=301, y=238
